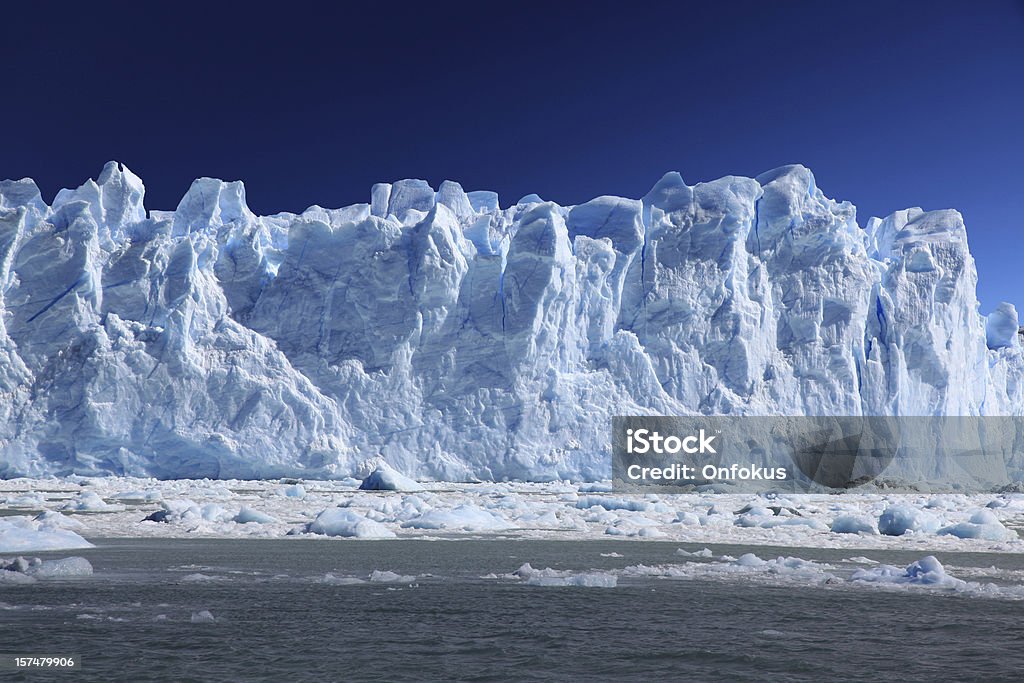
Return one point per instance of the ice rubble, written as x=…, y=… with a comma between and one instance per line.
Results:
x=465, y=517
x=255, y=509
x=459, y=340
x=555, y=577
x=925, y=574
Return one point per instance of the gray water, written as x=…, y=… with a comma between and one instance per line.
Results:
x=276, y=621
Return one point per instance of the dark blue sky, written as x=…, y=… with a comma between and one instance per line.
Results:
x=892, y=104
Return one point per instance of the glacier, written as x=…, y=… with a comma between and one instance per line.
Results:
x=457, y=340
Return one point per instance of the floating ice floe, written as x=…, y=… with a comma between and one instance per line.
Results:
x=89, y=501
x=927, y=571
x=465, y=517
x=23, y=534
x=345, y=523
x=26, y=570
x=185, y=511
x=25, y=500
x=341, y=580
x=554, y=577
x=983, y=524
x=384, y=576
x=854, y=524
x=151, y=496
x=236, y=509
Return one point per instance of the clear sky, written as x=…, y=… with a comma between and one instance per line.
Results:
x=892, y=104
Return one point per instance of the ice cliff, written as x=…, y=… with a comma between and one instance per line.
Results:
x=460, y=340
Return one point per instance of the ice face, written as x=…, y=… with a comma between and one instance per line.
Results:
x=458, y=340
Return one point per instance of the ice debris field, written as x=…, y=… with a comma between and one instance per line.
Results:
x=464, y=341
x=51, y=514
x=67, y=512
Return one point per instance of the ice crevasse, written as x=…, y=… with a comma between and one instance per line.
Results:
x=457, y=339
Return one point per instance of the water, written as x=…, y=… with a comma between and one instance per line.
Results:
x=276, y=619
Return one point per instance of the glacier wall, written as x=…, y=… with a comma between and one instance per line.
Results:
x=460, y=340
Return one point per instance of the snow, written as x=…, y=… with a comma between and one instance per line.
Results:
x=457, y=340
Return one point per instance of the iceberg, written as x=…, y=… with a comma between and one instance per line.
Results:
x=383, y=478
x=457, y=340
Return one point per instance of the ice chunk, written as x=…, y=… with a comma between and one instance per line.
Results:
x=150, y=496
x=612, y=503
x=203, y=617
x=466, y=517
x=89, y=501
x=51, y=518
x=22, y=534
x=897, y=520
x=46, y=569
x=342, y=522
x=341, y=580
x=185, y=511
x=854, y=524
x=927, y=571
x=69, y=566
x=25, y=500
x=378, y=576
x=384, y=478
x=292, y=491
x=750, y=560
x=247, y=515
x=983, y=524
x=553, y=577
